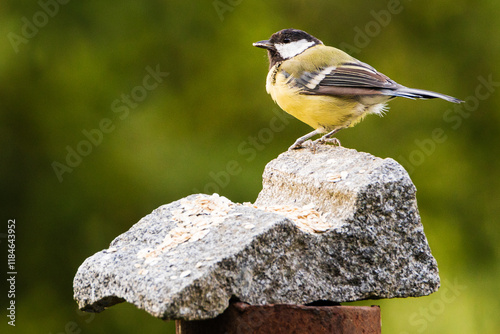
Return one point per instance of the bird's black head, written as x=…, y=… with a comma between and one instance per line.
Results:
x=286, y=44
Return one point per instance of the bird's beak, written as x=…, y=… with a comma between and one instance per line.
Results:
x=264, y=45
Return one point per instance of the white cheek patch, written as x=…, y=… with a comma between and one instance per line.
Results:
x=289, y=50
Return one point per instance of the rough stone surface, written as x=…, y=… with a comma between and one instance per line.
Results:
x=354, y=233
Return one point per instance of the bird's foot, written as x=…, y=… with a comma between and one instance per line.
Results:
x=303, y=140
x=303, y=144
x=326, y=140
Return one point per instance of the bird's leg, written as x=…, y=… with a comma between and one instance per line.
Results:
x=326, y=138
x=298, y=143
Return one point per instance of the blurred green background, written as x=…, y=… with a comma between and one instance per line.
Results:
x=71, y=67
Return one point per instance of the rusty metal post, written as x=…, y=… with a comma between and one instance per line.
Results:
x=241, y=318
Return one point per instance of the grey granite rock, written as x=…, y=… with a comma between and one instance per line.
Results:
x=353, y=232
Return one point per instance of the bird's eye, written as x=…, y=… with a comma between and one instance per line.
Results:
x=286, y=40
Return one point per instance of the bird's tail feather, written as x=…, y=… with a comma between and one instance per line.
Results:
x=413, y=93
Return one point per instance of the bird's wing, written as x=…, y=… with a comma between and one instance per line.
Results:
x=353, y=78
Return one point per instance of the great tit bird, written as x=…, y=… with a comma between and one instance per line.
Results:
x=325, y=87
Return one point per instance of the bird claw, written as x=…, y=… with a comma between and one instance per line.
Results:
x=304, y=144
x=333, y=141
x=313, y=144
